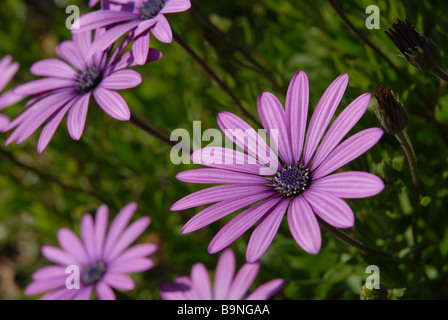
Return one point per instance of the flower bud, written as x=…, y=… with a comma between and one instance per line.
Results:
x=373, y=294
x=419, y=50
x=389, y=111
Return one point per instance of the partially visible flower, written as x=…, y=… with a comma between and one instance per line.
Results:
x=138, y=17
x=389, y=111
x=419, y=50
x=7, y=71
x=226, y=285
x=302, y=185
x=93, y=3
x=68, y=86
x=103, y=258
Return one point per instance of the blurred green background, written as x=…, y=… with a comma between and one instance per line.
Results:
x=260, y=45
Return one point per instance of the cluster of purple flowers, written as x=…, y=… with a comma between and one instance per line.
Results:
x=94, y=65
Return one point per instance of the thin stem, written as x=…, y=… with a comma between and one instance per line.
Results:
x=212, y=74
x=50, y=178
x=440, y=73
x=403, y=75
x=339, y=234
x=148, y=129
x=404, y=141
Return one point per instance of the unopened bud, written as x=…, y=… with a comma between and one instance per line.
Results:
x=419, y=50
x=389, y=111
x=373, y=294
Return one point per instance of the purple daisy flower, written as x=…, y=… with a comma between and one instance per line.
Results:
x=68, y=87
x=7, y=69
x=142, y=17
x=226, y=285
x=301, y=186
x=103, y=258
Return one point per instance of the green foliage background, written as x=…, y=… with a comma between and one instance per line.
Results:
x=116, y=163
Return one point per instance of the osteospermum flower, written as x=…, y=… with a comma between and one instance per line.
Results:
x=7, y=70
x=69, y=85
x=226, y=285
x=142, y=17
x=103, y=258
x=301, y=183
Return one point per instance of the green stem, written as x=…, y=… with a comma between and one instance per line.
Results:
x=148, y=129
x=440, y=73
x=412, y=160
x=213, y=75
x=341, y=235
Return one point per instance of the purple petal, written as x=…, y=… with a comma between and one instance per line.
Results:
x=330, y=208
x=58, y=256
x=53, y=68
x=43, y=85
x=296, y=108
x=173, y=6
x=243, y=280
x=60, y=294
x=41, y=286
x=101, y=220
x=88, y=235
x=138, y=251
x=71, y=243
x=350, y=184
x=322, y=115
x=266, y=290
x=49, y=272
x=172, y=292
x=127, y=60
x=9, y=98
x=104, y=292
x=118, y=225
x=83, y=41
x=127, y=238
x=225, y=269
x=112, y=103
x=340, y=127
x=244, y=136
x=111, y=36
x=69, y=52
x=240, y=224
x=140, y=48
x=84, y=293
x=4, y=121
x=264, y=233
x=101, y=18
x=162, y=30
x=50, y=128
x=130, y=265
x=216, y=194
x=220, y=210
x=121, y=79
x=348, y=150
x=229, y=159
x=119, y=281
x=304, y=226
x=8, y=73
x=272, y=116
x=77, y=116
x=36, y=115
x=219, y=176
x=201, y=282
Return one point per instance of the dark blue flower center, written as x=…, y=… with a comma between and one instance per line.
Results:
x=88, y=80
x=93, y=273
x=151, y=8
x=292, y=180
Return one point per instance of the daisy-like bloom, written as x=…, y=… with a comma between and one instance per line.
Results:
x=301, y=185
x=103, y=258
x=68, y=86
x=226, y=285
x=140, y=17
x=7, y=69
